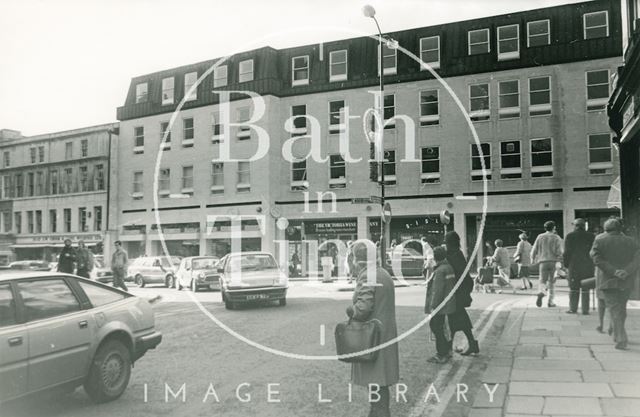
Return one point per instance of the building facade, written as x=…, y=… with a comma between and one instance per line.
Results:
x=54, y=187
x=624, y=119
x=534, y=86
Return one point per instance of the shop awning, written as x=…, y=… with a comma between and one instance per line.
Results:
x=614, y=200
x=45, y=245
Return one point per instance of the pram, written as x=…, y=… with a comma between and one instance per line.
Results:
x=486, y=277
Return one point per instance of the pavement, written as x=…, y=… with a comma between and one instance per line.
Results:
x=550, y=363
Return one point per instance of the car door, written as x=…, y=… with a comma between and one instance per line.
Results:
x=14, y=347
x=187, y=271
x=60, y=332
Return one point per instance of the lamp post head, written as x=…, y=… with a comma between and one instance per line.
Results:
x=368, y=10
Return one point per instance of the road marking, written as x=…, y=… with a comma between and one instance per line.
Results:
x=322, y=331
x=420, y=409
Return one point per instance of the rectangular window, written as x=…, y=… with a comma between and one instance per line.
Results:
x=509, y=99
x=338, y=65
x=97, y=218
x=389, y=60
x=188, y=132
x=189, y=81
x=30, y=228
x=299, y=112
x=337, y=172
x=430, y=51
x=220, y=76
x=244, y=177
x=7, y=186
x=38, y=221
x=478, y=41
x=244, y=131
x=18, y=222
x=300, y=70
x=142, y=92
x=164, y=182
x=478, y=173
x=596, y=24
x=167, y=90
x=479, y=102
x=430, y=165
x=6, y=159
x=53, y=221
x=32, y=154
x=187, y=180
x=40, y=183
x=67, y=220
x=429, y=108
x=68, y=151
x=19, y=186
x=6, y=220
x=31, y=184
x=53, y=179
x=336, y=116
x=164, y=131
x=245, y=71
x=508, y=42
x=539, y=96
x=541, y=158
x=99, y=177
x=389, y=110
x=597, y=90
x=538, y=33
x=600, y=160
x=510, y=160
x=84, y=148
x=84, y=179
x=138, y=185
x=217, y=178
x=299, y=176
x=216, y=127
x=138, y=144
x=68, y=180
x=389, y=168
x=41, y=153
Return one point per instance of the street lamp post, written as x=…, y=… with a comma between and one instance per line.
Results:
x=369, y=11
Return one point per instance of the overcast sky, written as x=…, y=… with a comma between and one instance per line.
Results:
x=67, y=64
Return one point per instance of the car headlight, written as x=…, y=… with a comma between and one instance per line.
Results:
x=201, y=275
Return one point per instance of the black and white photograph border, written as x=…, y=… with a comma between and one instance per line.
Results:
x=346, y=208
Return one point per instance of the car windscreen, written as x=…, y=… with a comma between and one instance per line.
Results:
x=204, y=263
x=252, y=263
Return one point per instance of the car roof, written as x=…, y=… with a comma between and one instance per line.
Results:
x=249, y=253
x=8, y=276
x=201, y=257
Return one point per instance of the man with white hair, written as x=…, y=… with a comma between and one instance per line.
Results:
x=617, y=260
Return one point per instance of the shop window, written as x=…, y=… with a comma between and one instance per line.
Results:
x=538, y=33
x=539, y=96
x=480, y=154
x=338, y=65
x=509, y=99
x=508, y=42
x=429, y=108
x=510, y=160
x=600, y=159
x=479, y=102
x=478, y=41
x=337, y=172
x=541, y=158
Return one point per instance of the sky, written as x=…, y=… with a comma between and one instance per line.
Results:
x=67, y=64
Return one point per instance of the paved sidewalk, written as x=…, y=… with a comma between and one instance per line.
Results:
x=549, y=363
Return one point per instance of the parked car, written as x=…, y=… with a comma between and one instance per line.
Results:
x=198, y=272
x=411, y=261
x=62, y=331
x=30, y=265
x=154, y=270
x=251, y=276
x=100, y=272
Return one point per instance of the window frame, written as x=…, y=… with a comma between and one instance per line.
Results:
x=184, y=181
x=165, y=145
x=138, y=194
x=142, y=97
x=389, y=179
x=188, y=142
x=388, y=70
x=339, y=181
x=540, y=169
x=164, y=181
x=298, y=130
x=480, y=173
x=429, y=177
x=606, y=25
x=338, y=77
x=22, y=302
x=138, y=139
x=488, y=42
x=217, y=188
x=483, y=114
x=243, y=186
x=505, y=56
x=336, y=127
x=597, y=104
x=299, y=185
x=509, y=173
x=548, y=33
x=188, y=85
x=169, y=99
x=303, y=81
x=539, y=109
x=217, y=78
x=429, y=119
x=508, y=112
x=596, y=167
x=433, y=64
x=243, y=74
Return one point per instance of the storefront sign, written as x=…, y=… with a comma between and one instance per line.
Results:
x=60, y=238
x=345, y=226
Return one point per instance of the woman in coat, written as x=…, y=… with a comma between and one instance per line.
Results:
x=459, y=320
x=439, y=288
x=375, y=302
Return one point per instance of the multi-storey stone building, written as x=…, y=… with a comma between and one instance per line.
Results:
x=55, y=186
x=535, y=85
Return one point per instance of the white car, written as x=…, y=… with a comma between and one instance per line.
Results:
x=197, y=272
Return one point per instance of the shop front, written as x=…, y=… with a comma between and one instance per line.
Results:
x=218, y=239
x=403, y=228
x=596, y=218
x=47, y=247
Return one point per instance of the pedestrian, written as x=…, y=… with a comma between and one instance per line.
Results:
x=577, y=245
x=438, y=289
x=617, y=259
x=375, y=302
x=66, y=258
x=547, y=251
x=295, y=260
x=84, y=260
x=523, y=259
x=502, y=260
x=119, y=261
x=459, y=320
x=602, y=308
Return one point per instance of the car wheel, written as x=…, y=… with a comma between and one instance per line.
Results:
x=282, y=302
x=229, y=305
x=140, y=281
x=109, y=373
x=194, y=285
x=169, y=281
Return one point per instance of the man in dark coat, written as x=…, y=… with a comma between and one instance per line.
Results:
x=577, y=245
x=617, y=260
x=66, y=258
x=374, y=298
x=439, y=288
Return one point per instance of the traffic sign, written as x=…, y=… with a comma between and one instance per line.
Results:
x=376, y=199
x=361, y=201
x=386, y=213
x=445, y=217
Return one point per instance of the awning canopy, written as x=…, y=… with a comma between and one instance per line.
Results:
x=614, y=200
